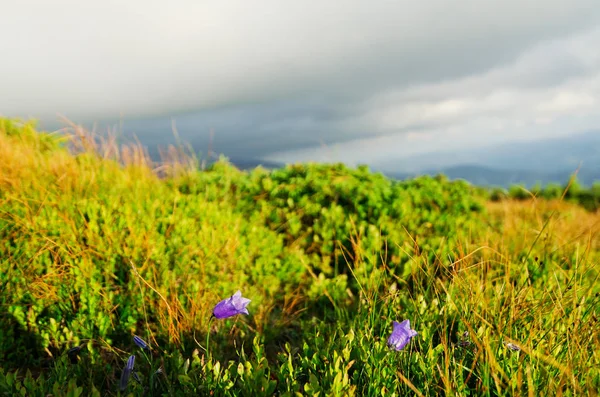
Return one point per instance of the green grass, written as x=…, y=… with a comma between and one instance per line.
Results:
x=98, y=244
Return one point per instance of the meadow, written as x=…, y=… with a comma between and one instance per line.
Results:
x=105, y=256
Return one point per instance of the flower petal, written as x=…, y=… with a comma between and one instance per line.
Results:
x=140, y=343
x=401, y=334
x=235, y=304
x=405, y=325
x=127, y=372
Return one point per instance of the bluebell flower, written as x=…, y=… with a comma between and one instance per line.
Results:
x=140, y=343
x=236, y=304
x=401, y=335
x=127, y=372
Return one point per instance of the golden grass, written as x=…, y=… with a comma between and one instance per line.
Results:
x=556, y=223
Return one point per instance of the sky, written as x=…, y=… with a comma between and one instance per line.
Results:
x=352, y=81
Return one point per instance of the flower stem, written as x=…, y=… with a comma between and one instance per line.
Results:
x=208, y=338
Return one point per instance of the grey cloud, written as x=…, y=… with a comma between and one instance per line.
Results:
x=251, y=130
x=526, y=99
x=289, y=76
x=258, y=130
x=142, y=58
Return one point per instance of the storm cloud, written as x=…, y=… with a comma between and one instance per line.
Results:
x=339, y=80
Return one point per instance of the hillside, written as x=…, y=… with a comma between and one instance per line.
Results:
x=100, y=244
x=547, y=156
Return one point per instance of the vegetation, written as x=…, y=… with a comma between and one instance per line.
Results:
x=572, y=191
x=98, y=245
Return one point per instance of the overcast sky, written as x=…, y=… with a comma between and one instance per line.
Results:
x=354, y=81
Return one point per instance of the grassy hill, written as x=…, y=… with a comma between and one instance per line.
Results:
x=99, y=244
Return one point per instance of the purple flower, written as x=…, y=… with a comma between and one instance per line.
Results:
x=231, y=306
x=512, y=346
x=401, y=335
x=464, y=340
x=127, y=372
x=140, y=343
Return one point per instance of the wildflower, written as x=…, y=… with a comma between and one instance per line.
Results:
x=127, y=372
x=231, y=306
x=464, y=340
x=140, y=343
x=512, y=346
x=401, y=335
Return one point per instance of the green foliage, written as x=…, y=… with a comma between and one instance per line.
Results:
x=93, y=251
x=338, y=215
x=25, y=131
x=573, y=191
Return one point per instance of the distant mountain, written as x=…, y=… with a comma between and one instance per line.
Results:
x=251, y=163
x=544, y=156
x=487, y=176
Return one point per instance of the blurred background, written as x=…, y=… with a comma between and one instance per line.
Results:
x=496, y=93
